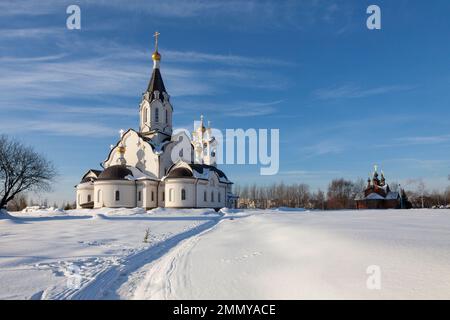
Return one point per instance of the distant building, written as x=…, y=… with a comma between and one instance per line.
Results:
x=378, y=195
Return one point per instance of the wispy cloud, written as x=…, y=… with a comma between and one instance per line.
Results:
x=31, y=33
x=59, y=128
x=195, y=57
x=292, y=14
x=422, y=164
x=417, y=140
x=424, y=139
x=323, y=148
x=232, y=108
x=351, y=91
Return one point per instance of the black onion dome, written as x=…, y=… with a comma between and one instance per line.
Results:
x=117, y=172
x=180, y=173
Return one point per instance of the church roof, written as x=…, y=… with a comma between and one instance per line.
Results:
x=180, y=173
x=156, y=84
x=375, y=196
x=201, y=167
x=116, y=172
x=199, y=171
x=87, y=178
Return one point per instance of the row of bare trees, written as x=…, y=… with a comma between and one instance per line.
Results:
x=341, y=194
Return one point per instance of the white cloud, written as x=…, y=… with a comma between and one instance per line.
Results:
x=322, y=148
x=60, y=128
x=354, y=91
x=232, y=108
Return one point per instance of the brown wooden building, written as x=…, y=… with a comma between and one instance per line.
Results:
x=378, y=195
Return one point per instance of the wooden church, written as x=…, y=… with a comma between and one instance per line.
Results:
x=378, y=195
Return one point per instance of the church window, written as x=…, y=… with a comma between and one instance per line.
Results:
x=212, y=196
x=170, y=195
x=79, y=199
x=99, y=195
x=156, y=115
x=163, y=196
x=89, y=198
x=218, y=197
x=153, y=196
x=167, y=117
x=183, y=194
x=117, y=195
x=144, y=120
x=139, y=196
x=205, y=197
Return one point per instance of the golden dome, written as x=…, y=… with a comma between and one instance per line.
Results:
x=121, y=149
x=156, y=56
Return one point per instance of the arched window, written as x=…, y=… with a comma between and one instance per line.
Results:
x=156, y=115
x=183, y=194
x=99, y=195
x=218, y=196
x=212, y=196
x=139, y=196
x=79, y=199
x=153, y=196
x=205, y=197
x=163, y=196
x=170, y=195
x=167, y=117
x=117, y=195
x=89, y=198
x=145, y=117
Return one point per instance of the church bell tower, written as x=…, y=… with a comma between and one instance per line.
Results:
x=155, y=109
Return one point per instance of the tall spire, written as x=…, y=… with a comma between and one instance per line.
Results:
x=156, y=56
x=156, y=83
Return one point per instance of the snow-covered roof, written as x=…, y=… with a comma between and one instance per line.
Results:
x=194, y=170
x=392, y=196
x=137, y=174
x=374, y=196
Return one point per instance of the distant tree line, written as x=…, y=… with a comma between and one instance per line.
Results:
x=21, y=202
x=340, y=194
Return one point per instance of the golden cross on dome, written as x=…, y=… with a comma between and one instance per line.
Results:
x=156, y=40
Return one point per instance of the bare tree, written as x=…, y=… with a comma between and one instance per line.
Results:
x=340, y=194
x=22, y=169
x=421, y=188
x=19, y=203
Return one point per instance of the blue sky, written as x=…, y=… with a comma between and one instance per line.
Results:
x=343, y=97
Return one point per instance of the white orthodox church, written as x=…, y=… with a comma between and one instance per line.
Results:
x=154, y=168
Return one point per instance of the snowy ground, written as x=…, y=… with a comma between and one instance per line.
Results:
x=198, y=254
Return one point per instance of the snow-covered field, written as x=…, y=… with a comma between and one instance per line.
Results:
x=200, y=254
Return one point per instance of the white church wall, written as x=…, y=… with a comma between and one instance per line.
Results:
x=85, y=193
x=138, y=153
x=202, y=187
x=167, y=117
x=173, y=190
x=149, y=194
x=107, y=191
x=157, y=115
x=161, y=195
